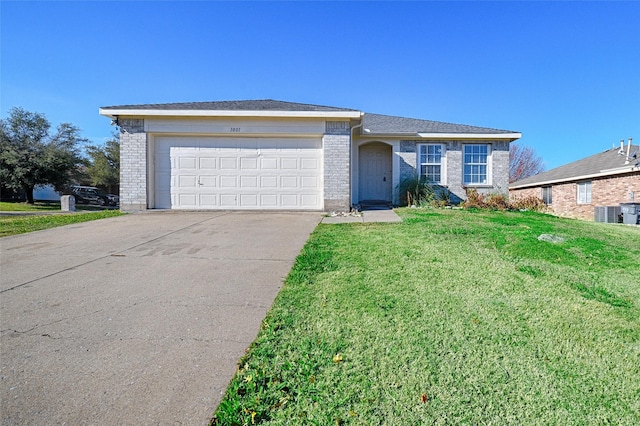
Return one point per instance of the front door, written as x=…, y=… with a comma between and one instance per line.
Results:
x=375, y=177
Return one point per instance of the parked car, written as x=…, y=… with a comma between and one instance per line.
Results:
x=114, y=200
x=90, y=195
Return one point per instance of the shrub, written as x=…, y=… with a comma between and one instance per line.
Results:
x=529, y=203
x=496, y=201
x=474, y=200
x=415, y=191
x=442, y=197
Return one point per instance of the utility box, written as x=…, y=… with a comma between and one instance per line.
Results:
x=68, y=203
x=607, y=214
x=630, y=213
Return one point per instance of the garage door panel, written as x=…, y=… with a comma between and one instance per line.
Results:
x=208, y=163
x=187, y=163
x=228, y=181
x=289, y=163
x=269, y=163
x=309, y=164
x=228, y=163
x=187, y=200
x=288, y=182
x=289, y=200
x=248, y=163
x=268, y=182
x=208, y=181
x=228, y=200
x=186, y=181
x=208, y=201
x=249, y=200
x=238, y=173
x=308, y=182
x=269, y=200
x=250, y=182
x=309, y=200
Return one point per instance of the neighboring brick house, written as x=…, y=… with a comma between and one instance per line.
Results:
x=575, y=189
x=266, y=154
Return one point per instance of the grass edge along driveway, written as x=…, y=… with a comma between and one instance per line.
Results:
x=14, y=225
x=451, y=317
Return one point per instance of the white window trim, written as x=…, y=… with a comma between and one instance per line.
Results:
x=489, y=166
x=587, y=197
x=443, y=162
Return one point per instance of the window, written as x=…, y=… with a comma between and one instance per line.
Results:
x=546, y=194
x=430, y=159
x=476, y=164
x=584, y=193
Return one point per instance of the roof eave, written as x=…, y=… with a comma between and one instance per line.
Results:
x=475, y=136
x=113, y=113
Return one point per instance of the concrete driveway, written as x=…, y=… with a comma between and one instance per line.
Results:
x=139, y=319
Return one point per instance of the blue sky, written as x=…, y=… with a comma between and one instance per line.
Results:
x=565, y=74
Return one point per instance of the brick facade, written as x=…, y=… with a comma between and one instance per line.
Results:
x=605, y=191
x=133, y=165
x=336, y=145
x=499, y=164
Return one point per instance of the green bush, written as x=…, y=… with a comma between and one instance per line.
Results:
x=416, y=191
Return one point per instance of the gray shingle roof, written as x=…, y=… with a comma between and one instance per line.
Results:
x=375, y=123
x=247, y=105
x=378, y=123
x=593, y=165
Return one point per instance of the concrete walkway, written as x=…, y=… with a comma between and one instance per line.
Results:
x=138, y=319
x=367, y=216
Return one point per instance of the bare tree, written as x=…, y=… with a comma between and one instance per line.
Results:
x=523, y=162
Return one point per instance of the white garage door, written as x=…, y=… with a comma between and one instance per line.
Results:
x=238, y=173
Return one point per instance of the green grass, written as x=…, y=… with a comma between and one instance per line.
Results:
x=6, y=206
x=466, y=311
x=42, y=206
x=13, y=225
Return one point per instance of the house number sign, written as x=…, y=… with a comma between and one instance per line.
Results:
x=235, y=130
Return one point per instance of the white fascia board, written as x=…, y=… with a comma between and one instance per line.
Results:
x=112, y=113
x=603, y=173
x=475, y=136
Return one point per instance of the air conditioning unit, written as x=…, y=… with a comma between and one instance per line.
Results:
x=607, y=214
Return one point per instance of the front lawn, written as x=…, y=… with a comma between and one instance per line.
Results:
x=44, y=206
x=13, y=225
x=451, y=317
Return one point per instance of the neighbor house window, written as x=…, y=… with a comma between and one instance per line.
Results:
x=584, y=193
x=476, y=162
x=430, y=162
x=546, y=194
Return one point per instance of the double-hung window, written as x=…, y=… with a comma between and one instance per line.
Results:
x=476, y=164
x=584, y=193
x=430, y=163
x=546, y=195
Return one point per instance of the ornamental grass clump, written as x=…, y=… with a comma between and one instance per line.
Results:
x=416, y=191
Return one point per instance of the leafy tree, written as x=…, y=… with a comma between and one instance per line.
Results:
x=523, y=162
x=104, y=164
x=30, y=155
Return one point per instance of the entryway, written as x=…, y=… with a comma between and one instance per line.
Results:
x=375, y=178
